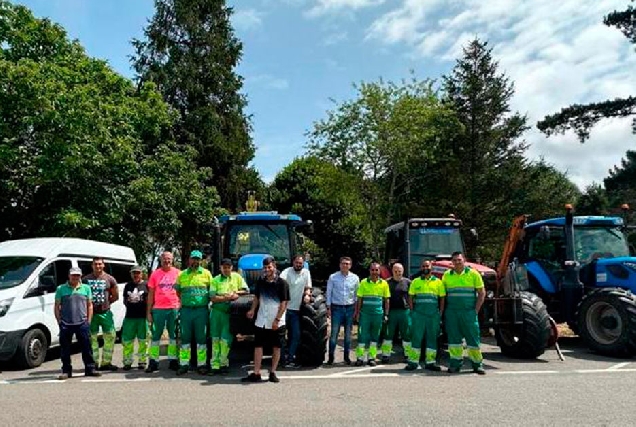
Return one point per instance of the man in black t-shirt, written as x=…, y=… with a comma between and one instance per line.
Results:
x=399, y=313
x=135, y=325
x=271, y=295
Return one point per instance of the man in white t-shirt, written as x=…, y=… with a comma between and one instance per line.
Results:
x=271, y=295
x=299, y=281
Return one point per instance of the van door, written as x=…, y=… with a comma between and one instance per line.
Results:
x=41, y=295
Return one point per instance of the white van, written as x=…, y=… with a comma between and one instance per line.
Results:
x=30, y=272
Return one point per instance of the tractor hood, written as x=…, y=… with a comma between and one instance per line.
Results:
x=252, y=262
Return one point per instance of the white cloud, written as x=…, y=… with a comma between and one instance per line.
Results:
x=247, y=19
x=557, y=53
x=335, y=38
x=322, y=7
x=268, y=81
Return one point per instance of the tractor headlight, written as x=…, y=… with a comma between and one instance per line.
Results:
x=4, y=306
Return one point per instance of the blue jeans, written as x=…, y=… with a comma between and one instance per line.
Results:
x=292, y=320
x=82, y=332
x=341, y=315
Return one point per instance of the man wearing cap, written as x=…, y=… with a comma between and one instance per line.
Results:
x=162, y=310
x=193, y=287
x=226, y=287
x=135, y=326
x=299, y=281
x=105, y=292
x=74, y=312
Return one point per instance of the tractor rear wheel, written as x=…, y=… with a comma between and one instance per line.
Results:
x=607, y=321
x=313, y=327
x=528, y=340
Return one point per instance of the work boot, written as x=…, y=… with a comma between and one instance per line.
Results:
x=385, y=360
x=141, y=366
x=173, y=365
x=432, y=367
x=92, y=374
x=273, y=378
x=479, y=370
x=452, y=370
x=372, y=362
x=127, y=367
x=152, y=366
x=182, y=370
x=410, y=366
x=347, y=361
x=64, y=376
x=108, y=367
x=202, y=370
x=330, y=361
x=252, y=378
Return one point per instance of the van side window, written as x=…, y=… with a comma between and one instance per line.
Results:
x=53, y=275
x=86, y=266
x=121, y=272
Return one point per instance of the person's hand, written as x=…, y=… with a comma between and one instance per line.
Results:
x=328, y=313
x=355, y=317
x=149, y=317
x=307, y=300
x=386, y=318
x=233, y=296
x=250, y=314
x=275, y=324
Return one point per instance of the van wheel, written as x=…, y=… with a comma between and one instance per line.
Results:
x=32, y=350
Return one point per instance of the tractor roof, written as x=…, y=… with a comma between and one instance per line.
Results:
x=426, y=222
x=259, y=216
x=601, y=221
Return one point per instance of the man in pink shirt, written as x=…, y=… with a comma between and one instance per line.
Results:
x=163, y=305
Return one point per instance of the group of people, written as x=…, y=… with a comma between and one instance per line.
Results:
x=201, y=302
x=414, y=307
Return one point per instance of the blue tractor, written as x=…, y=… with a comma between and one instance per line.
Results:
x=247, y=238
x=580, y=266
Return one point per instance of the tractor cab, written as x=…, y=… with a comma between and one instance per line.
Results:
x=417, y=239
x=249, y=237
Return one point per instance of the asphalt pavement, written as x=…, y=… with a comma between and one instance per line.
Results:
x=585, y=389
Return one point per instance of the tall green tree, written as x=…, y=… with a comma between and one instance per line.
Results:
x=593, y=201
x=75, y=146
x=582, y=117
x=190, y=52
x=487, y=157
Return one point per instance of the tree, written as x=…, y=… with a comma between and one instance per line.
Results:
x=487, y=158
x=387, y=137
x=582, y=117
x=324, y=193
x=190, y=53
x=75, y=142
x=593, y=201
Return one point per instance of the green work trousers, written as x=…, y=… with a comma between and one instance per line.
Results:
x=107, y=324
x=131, y=330
x=463, y=324
x=162, y=319
x=193, y=321
x=424, y=326
x=399, y=319
x=369, y=328
x=221, y=337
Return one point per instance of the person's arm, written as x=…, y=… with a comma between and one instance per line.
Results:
x=386, y=309
x=150, y=304
x=481, y=297
x=257, y=294
x=113, y=291
x=329, y=290
x=58, y=311
x=244, y=289
x=279, y=314
x=126, y=302
x=89, y=311
x=442, y=305
x=356, y=312
x=309, y=284
x=410, y=301
x=284, y=297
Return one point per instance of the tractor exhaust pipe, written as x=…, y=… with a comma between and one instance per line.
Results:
x=571, y=286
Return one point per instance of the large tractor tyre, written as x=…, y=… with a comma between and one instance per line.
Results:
x=528, y=340
x=313, y=326
x=241, y=325
x=32, y=349
x=607, y=321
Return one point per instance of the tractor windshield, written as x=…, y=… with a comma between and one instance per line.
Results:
x=272, y=239
x=591, y=243
x=433, y=241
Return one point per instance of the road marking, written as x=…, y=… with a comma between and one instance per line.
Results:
x=4, y=382
x=603, y=371
x=526, y=372
x=340, y=377
x=353, y=371
x=618, y=366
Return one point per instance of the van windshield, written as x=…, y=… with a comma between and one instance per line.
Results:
x=14, y=270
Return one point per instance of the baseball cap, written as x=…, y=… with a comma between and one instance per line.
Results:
x=226, y=261
x=196, y=254
x=75, y=270
x=136, y=268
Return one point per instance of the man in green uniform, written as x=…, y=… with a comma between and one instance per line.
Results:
x=372, y=307
x=135, y=326
x=193, y=287
x=426, y=299
x=226, y=287
x=465, y=295
x=399, y=313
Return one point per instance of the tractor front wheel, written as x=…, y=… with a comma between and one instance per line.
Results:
x=607, y=321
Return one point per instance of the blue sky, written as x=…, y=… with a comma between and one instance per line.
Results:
x=300, y=53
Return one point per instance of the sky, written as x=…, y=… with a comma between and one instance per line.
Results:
x=301, y=55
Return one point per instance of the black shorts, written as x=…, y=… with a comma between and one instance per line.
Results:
x=269, y=337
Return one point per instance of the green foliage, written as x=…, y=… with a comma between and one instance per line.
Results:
x=582, y=118
x=190, y=53
x=83, y=151
x=593, y=201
